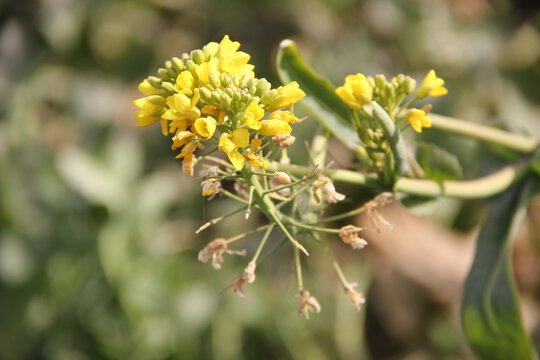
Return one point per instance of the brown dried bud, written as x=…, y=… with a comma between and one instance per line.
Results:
x=281, y=177
x=349, y=235
x=283, y=140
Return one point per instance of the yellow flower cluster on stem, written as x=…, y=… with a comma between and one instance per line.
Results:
x=211, y=90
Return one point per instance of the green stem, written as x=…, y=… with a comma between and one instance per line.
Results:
x=298, y=269
x=491, y=135
x=247, y=233
x=263, y=241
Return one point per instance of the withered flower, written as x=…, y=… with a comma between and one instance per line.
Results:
x=307, y=303
x=349, y=235
x=356, y=297
x=238, y=283
x=215, y=250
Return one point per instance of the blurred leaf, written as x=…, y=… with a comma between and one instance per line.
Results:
x=491, y=316
x=437, y=163
x=321, y=101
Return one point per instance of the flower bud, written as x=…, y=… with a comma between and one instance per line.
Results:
x=206, y=95
x=163, y=74
x=191, y=66
x=214, y=80
x=380, y=81
x=283, y=140
x=270, y=97
x=263, y=86
x=409, y=85
x=156, y=99
x=177, y=64
x=198, y=56
x=167, y=86
x=281, y=177
x=155, y=82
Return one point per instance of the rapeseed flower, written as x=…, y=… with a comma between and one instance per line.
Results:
x=432, y=86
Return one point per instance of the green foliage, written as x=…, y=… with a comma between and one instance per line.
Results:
x=491, y=316
x=321, y=101
x=437, y=163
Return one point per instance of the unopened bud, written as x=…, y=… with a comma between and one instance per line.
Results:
x=270, y=97
x=163, y=73
x=263, y=86
x=281, y=177
x=226, y=99
x=206, y=95
x=214, y=80
x=154, y=81
x=198, y=56
x=191, y=66
x=409, y=85
x=167, y=86
x=156, y=99
x=283, y=140
x=380, y=81
x=177, y=64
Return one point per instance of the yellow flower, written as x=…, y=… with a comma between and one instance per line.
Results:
x=274, y=127
x=291, y=93
x=182, y=111
x=229, y=143
x=151, y=111
x=204, y=69
x=252, y=115
x=286, y=116
x=356, y=91
x=147, y=89
x=431, y=85
x=184, y=82
x=210, y=110
x=254, y=160
x=417, y=118
x=233, y=61
x=205, y=126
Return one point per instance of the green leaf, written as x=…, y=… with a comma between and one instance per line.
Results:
x=491, y=317
x=320, y=101
x=437, y=163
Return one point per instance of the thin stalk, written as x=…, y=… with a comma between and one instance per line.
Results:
x=298, y=266
x=248, y=233
x=491, y=135
x=218, y=219
x=263, y=241
x=342, y=216
x=274, y=249
x=233, y=196
x=310, y=227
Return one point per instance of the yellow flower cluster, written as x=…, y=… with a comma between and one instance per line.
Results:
x=215, y=89
x=359, y=90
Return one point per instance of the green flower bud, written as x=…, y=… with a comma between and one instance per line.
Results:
x=380, y=81
x=155, y=82
x=270, y=97
x=206, y=95
x=191, y=66
x=167, y=86
x=173, y=74
x=371, y=81
x=168, y=64
x=163, y=74
x=216, y=96
x=252, y=86
x=156, y=99
x=226, y=99
x=177, y=64
x=390, y=91
x=198, y=56
x=409, y=84
x=263, y=86
x=214, y=80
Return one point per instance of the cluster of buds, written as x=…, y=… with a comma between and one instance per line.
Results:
x=360, y=92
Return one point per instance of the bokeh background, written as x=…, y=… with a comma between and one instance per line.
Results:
x=98, y=257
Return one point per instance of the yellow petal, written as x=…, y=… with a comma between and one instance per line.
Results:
x=144, y=119
x=205, y=126
x=225, y=143
x=274, y=127
x=210, y=110
x=236, y=159
x=147, y=89
x=256, y=110
x=255, y=144
x=286, y=116
x=240, y=137
x=184, y=80
x=164, y=127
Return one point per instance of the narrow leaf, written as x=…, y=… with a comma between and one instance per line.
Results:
x=321, y=101
x=491, y=317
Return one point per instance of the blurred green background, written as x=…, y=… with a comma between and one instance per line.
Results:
x=98, y=257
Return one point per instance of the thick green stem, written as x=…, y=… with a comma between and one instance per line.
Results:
x=464, y=189
x=491, y=135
